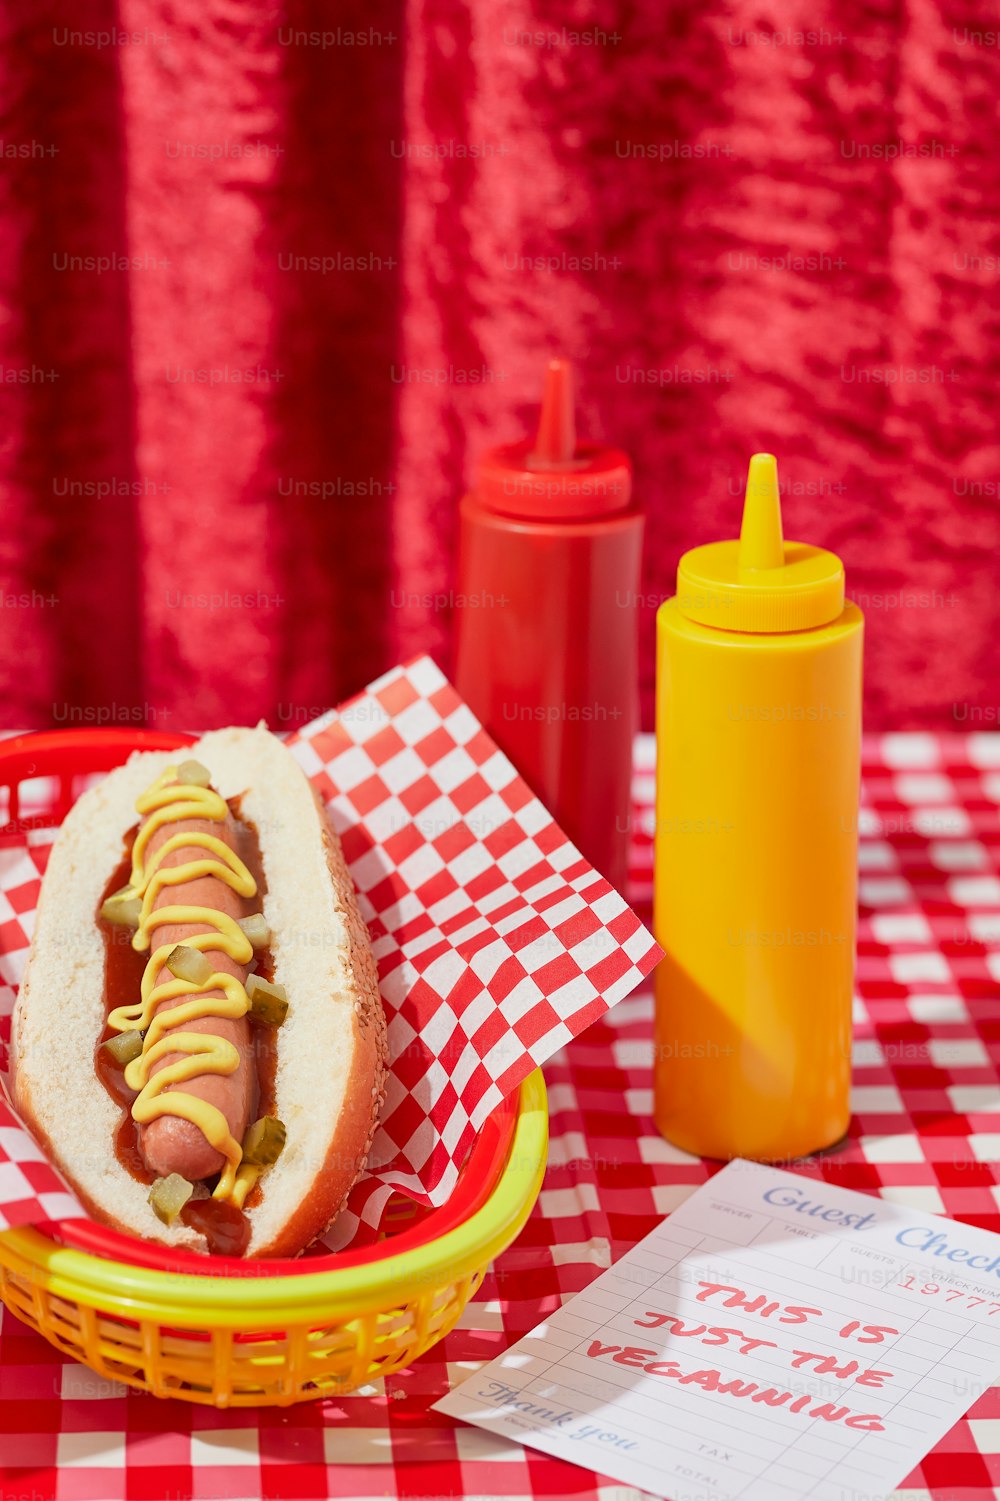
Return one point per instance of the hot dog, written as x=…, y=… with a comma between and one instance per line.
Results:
x=235, y=937
x=171, y=1144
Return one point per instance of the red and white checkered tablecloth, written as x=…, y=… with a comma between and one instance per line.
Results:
x=926, y=1132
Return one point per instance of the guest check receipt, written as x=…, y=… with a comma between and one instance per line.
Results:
x=776, y=1337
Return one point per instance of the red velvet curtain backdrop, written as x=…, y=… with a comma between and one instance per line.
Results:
x=272, y=275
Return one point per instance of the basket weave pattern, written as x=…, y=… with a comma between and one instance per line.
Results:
x=220, y=1367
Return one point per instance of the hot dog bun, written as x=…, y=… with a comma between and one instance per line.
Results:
x=330, y=1073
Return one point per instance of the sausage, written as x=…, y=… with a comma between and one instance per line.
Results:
x=169, y=1143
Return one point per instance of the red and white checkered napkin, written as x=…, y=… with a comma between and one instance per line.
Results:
x=496, y=941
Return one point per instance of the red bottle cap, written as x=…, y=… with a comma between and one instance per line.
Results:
x=555, y=478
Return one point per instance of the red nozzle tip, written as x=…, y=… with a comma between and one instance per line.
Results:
x=555, y=443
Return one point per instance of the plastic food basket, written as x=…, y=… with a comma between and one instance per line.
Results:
x=254, y=1333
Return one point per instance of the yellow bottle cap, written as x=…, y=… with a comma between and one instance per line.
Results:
x=761, y=582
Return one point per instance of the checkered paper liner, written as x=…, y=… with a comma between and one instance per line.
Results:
x=496, y=941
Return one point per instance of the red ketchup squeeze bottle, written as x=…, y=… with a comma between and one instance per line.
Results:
x=547, y=639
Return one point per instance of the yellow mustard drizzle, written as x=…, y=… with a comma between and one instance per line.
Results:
x=168, y=801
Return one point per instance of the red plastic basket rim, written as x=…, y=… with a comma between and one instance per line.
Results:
x=78, y=752
x=476, y=1182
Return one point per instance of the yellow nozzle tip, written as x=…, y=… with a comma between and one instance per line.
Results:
x=763, y=470
x=761, y=541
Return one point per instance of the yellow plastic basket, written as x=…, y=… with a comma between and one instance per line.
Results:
x=269, y=1342
x=250, y=1341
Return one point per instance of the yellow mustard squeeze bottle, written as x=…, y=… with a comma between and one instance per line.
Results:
x=758, y=734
